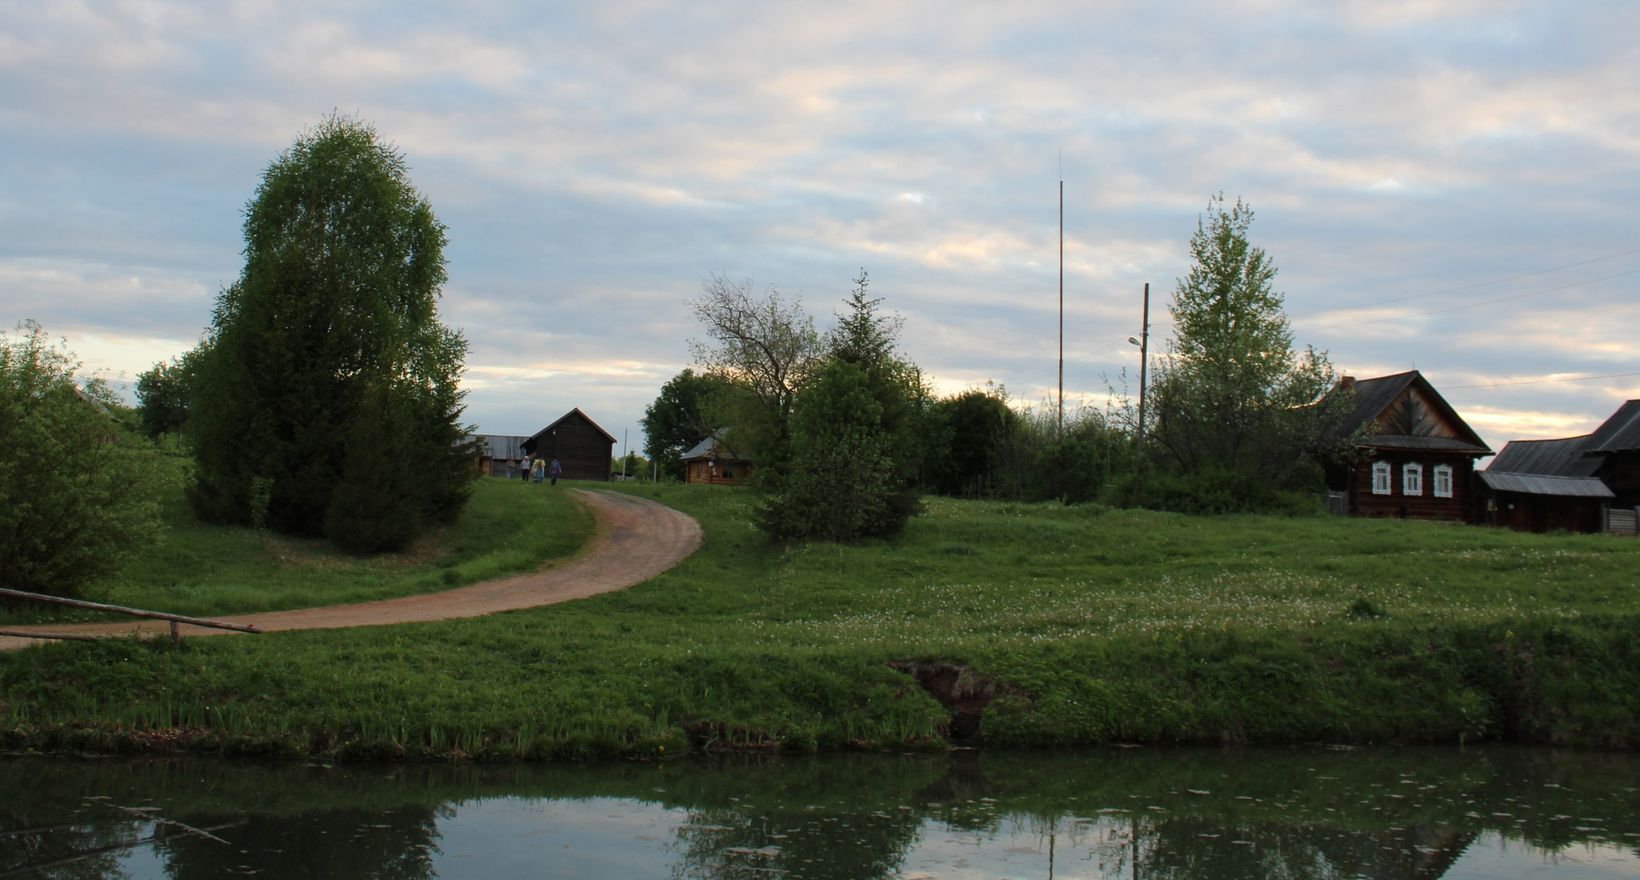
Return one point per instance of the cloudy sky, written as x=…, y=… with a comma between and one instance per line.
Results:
x=1447, y=185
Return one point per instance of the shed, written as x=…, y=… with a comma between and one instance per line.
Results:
x=499, y=455
x=1414, y=455
x=713, y=462
x=1609, y=456
x=1542, y=503
x=582, y=448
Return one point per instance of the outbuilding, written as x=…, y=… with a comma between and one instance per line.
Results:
x=582, y=448
x=713, y=462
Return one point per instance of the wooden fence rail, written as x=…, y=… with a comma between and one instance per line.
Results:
x=174, y=619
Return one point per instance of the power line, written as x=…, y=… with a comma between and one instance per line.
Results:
x=1487, y=302
x=1545, y=381
x=1385, y=302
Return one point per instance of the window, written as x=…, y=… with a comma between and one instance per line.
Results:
x=1443, y=481
x=1380, y=478
x=1412, y=479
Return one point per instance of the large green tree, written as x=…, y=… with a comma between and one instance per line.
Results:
x=77, y=490
x=1231, y=394
x=327, y=399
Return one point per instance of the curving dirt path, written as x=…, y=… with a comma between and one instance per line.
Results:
x=637, y=539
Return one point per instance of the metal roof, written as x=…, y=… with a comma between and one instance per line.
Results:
x=711, y=448
x=501, y=445
x=1620, y=433
x=1559, y=458
x=1374, y=396
x=1540, y=484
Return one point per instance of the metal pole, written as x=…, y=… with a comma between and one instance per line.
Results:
x=1061, y=422
x=624, y=432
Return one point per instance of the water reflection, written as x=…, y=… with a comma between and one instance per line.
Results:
x=1381, y=814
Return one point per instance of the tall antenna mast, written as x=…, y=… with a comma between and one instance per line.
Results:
x=1061, y=422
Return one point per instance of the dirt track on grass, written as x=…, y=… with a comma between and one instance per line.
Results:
x=636, y=540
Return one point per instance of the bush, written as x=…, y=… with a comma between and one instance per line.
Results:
x=1210, y=490
x=77, y=489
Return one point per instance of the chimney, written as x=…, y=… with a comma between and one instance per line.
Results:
x=1346, y=383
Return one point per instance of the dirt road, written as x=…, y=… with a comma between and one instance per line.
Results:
x=636, y=540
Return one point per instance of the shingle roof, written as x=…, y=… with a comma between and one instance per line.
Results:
x=1422, y=444
x=1620, y=433
x=1540, y=484
x=1560, y=458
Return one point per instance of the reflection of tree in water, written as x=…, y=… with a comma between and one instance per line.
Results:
x=730, y=843
x=842, y=817
x=397, y=844
x=1195, y=847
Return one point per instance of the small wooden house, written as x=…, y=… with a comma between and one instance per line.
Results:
x=713, y=462
x=1414, y=455
x=582, y=448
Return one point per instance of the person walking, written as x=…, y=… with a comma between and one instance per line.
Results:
x=524, y=468
x=556, y=470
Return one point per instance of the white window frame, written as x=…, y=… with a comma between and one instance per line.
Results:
x=1443, y=481
x=1380, y=478
x=1412, y=479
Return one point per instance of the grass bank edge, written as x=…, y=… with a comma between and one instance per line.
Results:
x=673, y=665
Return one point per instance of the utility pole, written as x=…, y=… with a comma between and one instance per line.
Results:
x=1061, y=422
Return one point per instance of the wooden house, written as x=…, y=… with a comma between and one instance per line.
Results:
x=1581, y=484
x=581, y=447
x=713, y=462
x=1414, y=455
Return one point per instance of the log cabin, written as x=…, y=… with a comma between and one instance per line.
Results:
x=712, y=462
x=1414, y=455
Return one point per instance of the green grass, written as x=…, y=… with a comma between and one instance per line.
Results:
x=1093, y=626
x=202, y=569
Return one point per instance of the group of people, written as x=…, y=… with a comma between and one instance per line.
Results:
x=538, y=469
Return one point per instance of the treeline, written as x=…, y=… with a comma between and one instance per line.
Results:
x=845, y=432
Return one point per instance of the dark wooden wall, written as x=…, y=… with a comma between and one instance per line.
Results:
x=1424, y=506
x=579, y=446
x=1545, y=513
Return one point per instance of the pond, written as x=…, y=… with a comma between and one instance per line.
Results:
x=1119, y=813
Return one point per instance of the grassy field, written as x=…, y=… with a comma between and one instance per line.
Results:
x=1077, y=625
x=204, y=569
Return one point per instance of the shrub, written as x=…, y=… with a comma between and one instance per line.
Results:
x=77, y=489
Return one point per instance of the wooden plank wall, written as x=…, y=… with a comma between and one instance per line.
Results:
x=582, y=449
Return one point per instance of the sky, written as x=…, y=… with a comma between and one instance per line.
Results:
x=1448, y=186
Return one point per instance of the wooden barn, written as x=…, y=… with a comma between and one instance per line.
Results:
x=712, y=462
x=581, y=447
x=1581, y=484
x=1414, y=455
